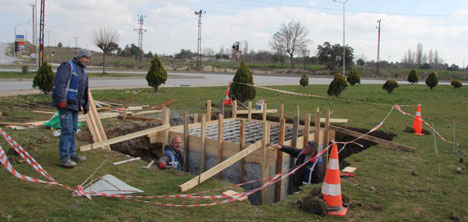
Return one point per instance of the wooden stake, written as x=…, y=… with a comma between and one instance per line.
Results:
x=195, y=118
x=234, y=109
x=166, y=121
x=306, y=128
x=317, y=129
x=264, y=111
x=326, y=136
x=298, y=113
x=220, y=143
x=249, y=115
x=203, y=144
x=265, y=141
x=282, y=111
x=186, y=141
x=279, y=158
x=242, y=147
x=208, y=110
x=221, y=107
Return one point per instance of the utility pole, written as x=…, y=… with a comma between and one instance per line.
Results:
x=199, y=13
x=344, y=44
x=34, y=31
x=76, y=42
x=378, y=47
x=140, y=31
x=41, y=33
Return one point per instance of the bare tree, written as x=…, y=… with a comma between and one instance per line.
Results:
x=289, y=39
x=419, y=54
x=106, y=39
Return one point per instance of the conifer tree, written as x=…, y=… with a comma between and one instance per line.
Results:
x=44, y=79
x=156, y=75
x=240, y=91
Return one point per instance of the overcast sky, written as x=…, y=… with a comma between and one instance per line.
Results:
x=172, y=25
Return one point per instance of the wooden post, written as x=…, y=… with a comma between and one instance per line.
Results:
x=195, y=118
x=234, y=109
x=202, y=143
x=282, y=112
x=326, y=136
x=94, y=122
x=249, y=115
x=221, y=107
x=242, y=147
x=306, y=128
x=264, y=111
x=208, y=110
x=298, y=114
x=186, y=141
x=124, y=114
x=166, y=121
x=265, y=141
x=279, y=157
x=317, y=129
x=220, y=143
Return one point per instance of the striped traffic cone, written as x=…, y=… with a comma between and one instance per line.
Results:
x=331, y=188
x=417, y=125
x=227, y=99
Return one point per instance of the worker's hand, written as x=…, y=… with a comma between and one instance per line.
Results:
x=62, y=105
x=314, y=159
x=276, y=146
x=85, y=112
x=162, y=165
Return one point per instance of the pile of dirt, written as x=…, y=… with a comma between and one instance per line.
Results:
x=314, y=203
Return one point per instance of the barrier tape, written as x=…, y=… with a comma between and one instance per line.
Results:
x=25, y=155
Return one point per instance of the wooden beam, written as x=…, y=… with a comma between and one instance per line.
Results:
x=242, y=147
x=195, y=118
x=186, y=141
x=279, y=157
x=166, y=121
x=254, y=111
x=317, y=129
x=143, y=119
x=220, y=143
x=203, y=143
x=124, y=137
x=234, y=109
x=100, y=134
x=264, y=116
x=331, y=120
x=381, y=142
x=265, y=141
x=326, y=136
x=282, y=111
x=208, y=110
x=307, y=128
x=220, y=167
x=221, y=107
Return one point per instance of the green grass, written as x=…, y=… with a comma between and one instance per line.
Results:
x=383, y=189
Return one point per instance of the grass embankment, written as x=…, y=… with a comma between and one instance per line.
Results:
x=384, y=188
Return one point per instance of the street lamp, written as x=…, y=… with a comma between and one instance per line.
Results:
x=344, y=52
x=15, y=32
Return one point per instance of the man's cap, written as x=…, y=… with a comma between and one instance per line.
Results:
x=83, y=53
x=313, y=145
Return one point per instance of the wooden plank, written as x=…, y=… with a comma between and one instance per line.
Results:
x=242, y=147
x=254, y=111
x=43, y=112
x=331, y=120
x=234, y=109
x=279, y=158
x=124, y=138
x=317, y=129
x=306, y=128
x=16, y=124
x=99, y=129
x=218, y=168
x=166, y=121
x=195, y=118
x=143, y=119
x=381, y=142
x=220, y=143
x=147, y=112
x=264, y=115
x=203, y=144
x=221, y=107
x=326, y=136
x=208, y=110
x=186, y=141
x=282, y=111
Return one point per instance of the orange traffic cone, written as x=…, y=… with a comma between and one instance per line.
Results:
x=331, y=188
x=417, y=125
x=227, y=99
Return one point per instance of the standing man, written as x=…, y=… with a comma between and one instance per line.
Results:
x=70, y=95
x=308, y=173
x=173, y=157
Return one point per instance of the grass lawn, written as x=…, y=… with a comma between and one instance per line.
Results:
x=383, y=189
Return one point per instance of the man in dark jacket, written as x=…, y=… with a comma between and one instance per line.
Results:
x=70, y=95
x=308, y=173
x=173, y=157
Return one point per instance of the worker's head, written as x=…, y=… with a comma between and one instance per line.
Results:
x=83, y=56
x=176, y=142
x=311, y=148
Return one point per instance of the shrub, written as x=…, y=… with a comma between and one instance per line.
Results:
x=432, y=80
x=456, y=83
x=337, y=86
x=413, y=77
x=390, y=85
x=354, y=77
x=240, y=91
x=44, y=79
x=157, y=75
x=304, y=80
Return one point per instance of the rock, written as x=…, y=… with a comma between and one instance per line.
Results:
x=458, y=170
x=454, y=217
x=462, y=160
x=372, y=188
x=414, y=173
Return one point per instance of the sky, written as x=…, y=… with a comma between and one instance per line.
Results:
x=171, y=25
